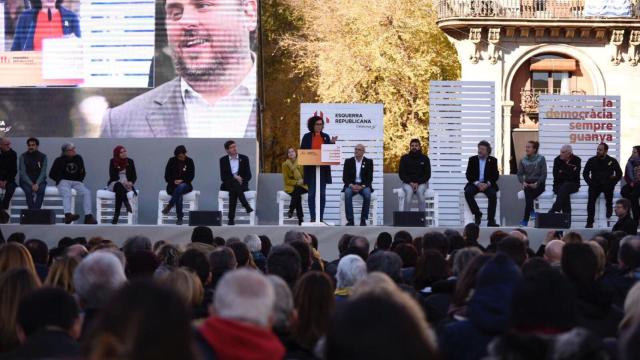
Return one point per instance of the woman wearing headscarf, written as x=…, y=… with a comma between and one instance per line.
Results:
x=122, y=176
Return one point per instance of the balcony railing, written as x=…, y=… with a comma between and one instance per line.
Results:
x=530, y=98
x=535, y=9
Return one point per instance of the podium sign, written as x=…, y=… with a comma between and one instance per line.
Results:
x=313, y=157
x=330, y=154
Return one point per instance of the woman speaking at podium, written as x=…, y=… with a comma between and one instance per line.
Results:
x=314, y=140
x=46, y=19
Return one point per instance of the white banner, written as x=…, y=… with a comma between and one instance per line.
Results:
x=353, y=124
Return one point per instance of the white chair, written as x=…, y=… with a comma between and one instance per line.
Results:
x=189, y=203
x=105, y=207
x=241, y=215
x=357, y=209
x=52, y=201
x=431, y=205
x=283, y=199
x=465, y=213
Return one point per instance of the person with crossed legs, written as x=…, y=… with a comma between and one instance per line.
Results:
x=482, y=176
x=235, y=173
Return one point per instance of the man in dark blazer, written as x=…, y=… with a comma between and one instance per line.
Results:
x=357, y=176
x=625, y=222
x=235, y=173
x=482, y=176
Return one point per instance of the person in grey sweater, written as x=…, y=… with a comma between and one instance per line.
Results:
x=532, y=174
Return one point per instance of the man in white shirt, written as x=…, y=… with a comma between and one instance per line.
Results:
x=215, y=93
x=357, y=176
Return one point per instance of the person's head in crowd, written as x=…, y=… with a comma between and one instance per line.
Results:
x=579, y=264
x=292, y=235
x=221, y=260
x=94, y=241
x=467, y=280
x=375, y=282
x=387, y=262
x=76, y=251
x=408, y=254
x=543, y=303
x=359, y=245
x=284, y=314
x=314, y=300
x=96, y=278
x=242, y=253
x=304, y=251
x=435, y=240
x=629, y=342
x=622, y=207
x=219, y=241
x=253, y=243
x=15, y=255
x=143, y=320
x=455, y=239
x=135, y=244
x=524, y=233
x=202, y=234
x=553, y=251
x=168, y=255
x=615, y=238
x=572, y=237
x=513, y=247
x=383, y=241
x=265, y=245
x=202, y=247
x=284, y=262
x=314, y=241
x=602, y=259
x=399, y=331
x=343, y=244
x=603, y=242
x=157, y=245
x=61, y=274
x=535, y=265
x=629, y=253
x=231, y=240
x=246, y=296
x=462, y=259
x=351, y=269
x=142, y=263
x=471, y=233
x=400, y=237
x=496, y=237
x=631, y=307
x=431, y=268
x=197, y=262
x=47, y=309
x=39, y=251
x=14, y=285
x=185, y=282
x=17, y=237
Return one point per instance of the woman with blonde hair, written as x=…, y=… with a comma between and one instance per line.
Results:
x=185, y=283
x=293, y=177
x=14, y=285
x=14, y=255
x=61, y=274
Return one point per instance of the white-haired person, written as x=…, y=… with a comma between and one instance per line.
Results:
x=254, y=244
x=351, y=269
x=241, y=319
x=566, y=179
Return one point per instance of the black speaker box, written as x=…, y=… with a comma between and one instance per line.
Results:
x=39, y=217
x=409, y=218
x=553, y=221
x=205, y=218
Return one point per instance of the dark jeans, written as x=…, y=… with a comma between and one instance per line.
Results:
x=28, y=193
x=312, y=197
x=530, y=195
x=296, y=201
x=9, y=189
x=594, y=192
x=121, y=197
x=176, y=198
x=633, y=194
x=348, y=203
x=235, y=193
x=563, y=197
x=470, y=192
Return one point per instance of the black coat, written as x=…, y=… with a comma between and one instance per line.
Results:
x=310, y=171
x=8, y=165
x=46, y=344
x=189, y=172
x=68, y=168
x=626, y=224
x=491, y=173
x=114, y=172
x=349, y=172
x=566, y=172
x=244, y=171
x=415, y=168
x=599, y=171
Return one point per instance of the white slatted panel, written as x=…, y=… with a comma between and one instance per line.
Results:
x=371, y=136
x=557, y=113
x=461, y=113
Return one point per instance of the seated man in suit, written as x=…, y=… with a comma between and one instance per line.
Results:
x=235, y=173
x=482, y=176
x=357, y=176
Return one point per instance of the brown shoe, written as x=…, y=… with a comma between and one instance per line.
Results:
x=69, y=218
x=166, y=209
x=90, y=220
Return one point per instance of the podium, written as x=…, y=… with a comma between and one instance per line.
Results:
x=329, y=154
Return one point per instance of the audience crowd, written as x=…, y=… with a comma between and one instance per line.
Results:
x=443, y=295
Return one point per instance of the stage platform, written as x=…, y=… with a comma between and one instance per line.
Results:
x=327, y=235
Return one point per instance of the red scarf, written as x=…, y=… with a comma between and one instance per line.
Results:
x=233, y=340
x=118, y=162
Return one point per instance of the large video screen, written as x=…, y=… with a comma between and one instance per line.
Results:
x=128, y=68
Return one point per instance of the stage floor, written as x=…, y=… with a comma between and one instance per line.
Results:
x=328, y=236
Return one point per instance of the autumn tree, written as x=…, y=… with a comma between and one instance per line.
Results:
x=373, y=51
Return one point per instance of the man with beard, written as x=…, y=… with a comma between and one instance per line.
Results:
x=214, y=94
x=415, y=172
x=482, y=176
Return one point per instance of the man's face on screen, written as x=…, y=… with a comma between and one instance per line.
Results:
x=209, y=37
